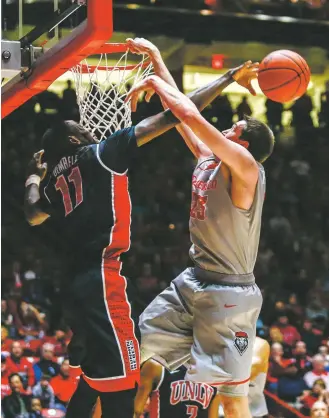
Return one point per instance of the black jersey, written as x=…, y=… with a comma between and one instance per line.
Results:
x=177, y=398
x=87, y=197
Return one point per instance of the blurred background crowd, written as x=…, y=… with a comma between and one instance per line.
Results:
x=292, y=268
x=309, y=9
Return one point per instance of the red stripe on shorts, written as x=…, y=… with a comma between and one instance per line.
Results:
x=155, y=404
x=115, y=296
x=230, y=383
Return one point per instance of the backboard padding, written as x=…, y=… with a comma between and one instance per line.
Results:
x=83, y=41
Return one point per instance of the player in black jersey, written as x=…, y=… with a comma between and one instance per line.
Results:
x=80, y=187
x=170, y=395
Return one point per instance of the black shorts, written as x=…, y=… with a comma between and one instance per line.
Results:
x=114, y=404
x=104, y=342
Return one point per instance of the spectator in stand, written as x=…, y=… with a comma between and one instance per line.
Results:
x=301, y=113
x=44, y=392
x=46, y=365
x=309, y=397
x=18, y=364
x=59, y=341
x=6, y=316
x=315, y=310
x=324, y=351
x=291, y=380
x=310, y=337
x=324, y=112
x=64, y=385
x=318, y=372
x=295, y=311
x=69, y=103
x=274, y=115
x=278, y=367
x=243, y=108
x=290, y=335
x=16, y=405
x=303, y=361
x=319, y=410
x=29, y=321
x=5, y=341
x=36, y=408
x=5, y=388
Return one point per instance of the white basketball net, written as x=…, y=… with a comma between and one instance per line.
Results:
x=101, y=91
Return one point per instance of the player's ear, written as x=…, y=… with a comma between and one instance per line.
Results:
x=74, y=140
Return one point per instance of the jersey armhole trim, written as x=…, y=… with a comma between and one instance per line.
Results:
x=105, y=166
x=161, y=380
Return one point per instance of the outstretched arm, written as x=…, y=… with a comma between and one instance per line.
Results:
x=143, y=46
x=237, y=158
x=156, y=125
x=37, y=171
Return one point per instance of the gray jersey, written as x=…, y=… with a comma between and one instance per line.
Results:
x=225, y=239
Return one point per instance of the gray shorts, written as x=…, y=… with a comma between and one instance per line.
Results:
x=213, y=327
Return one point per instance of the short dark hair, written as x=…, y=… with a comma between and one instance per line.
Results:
x=260, y=138
x=56, y=140
x=13, y=375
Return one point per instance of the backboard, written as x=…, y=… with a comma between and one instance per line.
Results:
x=83, y=41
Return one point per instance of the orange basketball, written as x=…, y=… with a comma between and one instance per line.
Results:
x=283, y=76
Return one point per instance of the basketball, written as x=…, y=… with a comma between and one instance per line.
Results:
x=283, y=76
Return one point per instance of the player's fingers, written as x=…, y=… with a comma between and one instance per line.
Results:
x=133, y=50
x=149, y=95
x=132, y=46
x=255, y=73
x=38, y=155
x=251, y=89
x=134, y=100
x=248, y=63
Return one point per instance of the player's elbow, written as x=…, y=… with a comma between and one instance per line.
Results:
x=30, y=216
x=34, y=216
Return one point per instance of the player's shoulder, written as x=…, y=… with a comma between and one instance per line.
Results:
x=121, y=133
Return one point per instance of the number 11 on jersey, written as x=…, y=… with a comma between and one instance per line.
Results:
x=62, y=186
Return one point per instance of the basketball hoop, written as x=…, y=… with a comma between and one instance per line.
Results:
x=102, y=88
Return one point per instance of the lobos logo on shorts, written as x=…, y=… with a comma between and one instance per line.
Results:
x=241, y=342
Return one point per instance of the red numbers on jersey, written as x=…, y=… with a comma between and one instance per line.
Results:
x=198, y=206
x=62, y=186
x=192, y=411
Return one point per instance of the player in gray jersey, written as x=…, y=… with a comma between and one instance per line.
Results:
x=209, y=312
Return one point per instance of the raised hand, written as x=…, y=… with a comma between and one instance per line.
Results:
x=134, y=94
x=142, y=46
x=36, y=166
x=245, y=73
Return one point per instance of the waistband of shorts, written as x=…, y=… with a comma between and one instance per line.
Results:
x=213, y=277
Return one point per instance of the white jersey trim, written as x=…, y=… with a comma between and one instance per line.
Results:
x=105, y=166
